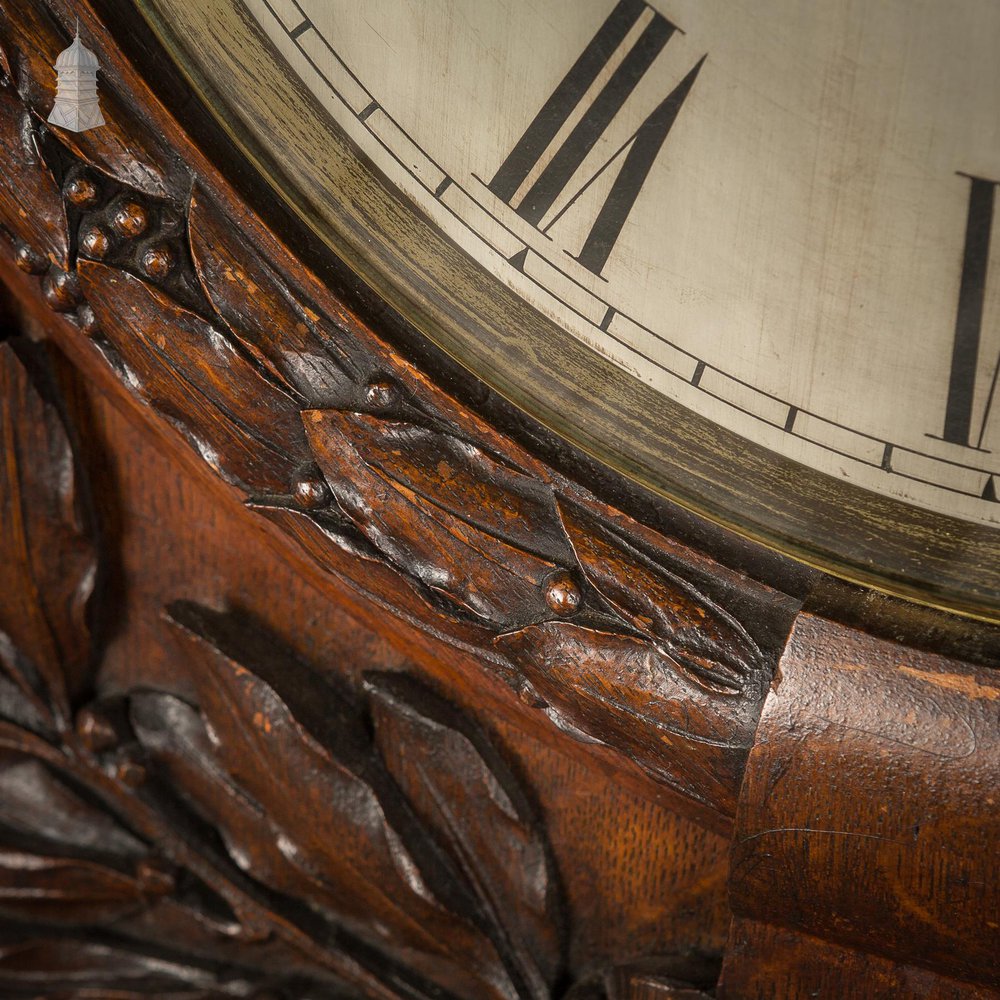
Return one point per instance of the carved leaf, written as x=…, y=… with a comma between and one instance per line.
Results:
x=38, y=804
x=699, y=636
x=65, y=859
x=47, y=547
x=317, y=530
x=193, y=373
x=462, y=789
x=174, y=733
x=669, y=659
x=285, y=751
x=289, y=339
x=62, y=860
x=37, y=887
x=70, y=968
x=69, y=859
x=465, y=524
x=25, y=180
x=626, y=690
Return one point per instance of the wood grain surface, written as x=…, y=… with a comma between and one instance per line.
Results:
x=868, y=813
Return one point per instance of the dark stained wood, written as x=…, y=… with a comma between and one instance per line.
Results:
x=764, y=962
x=48, y=543
x=643, y=850
x=302, y=781
x=314, y=682
x=869, y=813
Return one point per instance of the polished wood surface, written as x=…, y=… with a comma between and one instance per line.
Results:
x=321, y=673
x=869, y=801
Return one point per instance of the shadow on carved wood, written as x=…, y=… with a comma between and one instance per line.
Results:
x=371, y=841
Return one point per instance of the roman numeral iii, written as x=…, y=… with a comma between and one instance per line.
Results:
x=640, y=149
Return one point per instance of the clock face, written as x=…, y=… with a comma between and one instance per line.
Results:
x=778, y=214
x=739, y=251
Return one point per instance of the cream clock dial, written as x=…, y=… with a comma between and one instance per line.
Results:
x=777, y=214
x=739, y=252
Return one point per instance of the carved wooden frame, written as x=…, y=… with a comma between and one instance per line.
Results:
x=286, y=836
x=372, y=470
x=657, y=643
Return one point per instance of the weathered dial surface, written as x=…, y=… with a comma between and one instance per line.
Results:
x=778, y=215
x=739, y=254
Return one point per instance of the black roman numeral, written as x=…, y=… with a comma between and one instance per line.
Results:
x=643, y=145
x=958, y=424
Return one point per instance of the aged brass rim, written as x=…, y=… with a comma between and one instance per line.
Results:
x=612, y=416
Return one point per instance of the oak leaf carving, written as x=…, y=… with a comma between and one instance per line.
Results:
x=27, y=180
x=701, y=638
x=657, y=668
x=325, y=840
x=461, y=787
x=301, y=349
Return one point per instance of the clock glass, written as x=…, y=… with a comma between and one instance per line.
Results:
x=738, y=251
